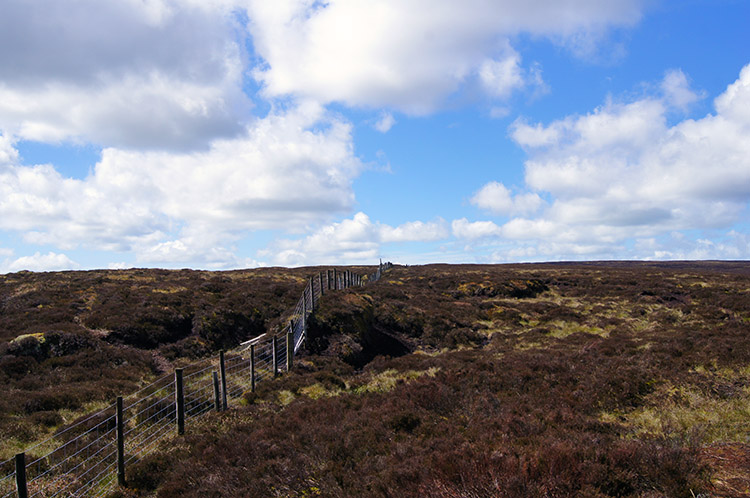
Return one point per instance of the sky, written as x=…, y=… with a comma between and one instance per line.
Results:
x=221, y=134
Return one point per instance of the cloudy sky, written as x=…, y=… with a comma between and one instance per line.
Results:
x=239, y=133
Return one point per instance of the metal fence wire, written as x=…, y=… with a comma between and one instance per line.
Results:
x=84, y=459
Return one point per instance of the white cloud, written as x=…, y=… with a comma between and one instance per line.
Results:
x=622, y=173
x=500, y=77
x=410, y=55
x=8, y=153
x=464, y=229
x=287, y=170
x=414, y=231
x=734, y=104
x=496, y=198
x=123, y=73
x=385, y=123
x=677, y=91
x=39, y=262
x=354, y=241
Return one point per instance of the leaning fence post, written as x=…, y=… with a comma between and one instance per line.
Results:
x=21, y=488
x=223, y=372
x=180, y=401
x=289, y=349
x=120, y=443
x=252, y=367
x=217, y=393
x=273, y=355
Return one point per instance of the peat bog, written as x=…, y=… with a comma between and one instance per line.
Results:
x=597, y=379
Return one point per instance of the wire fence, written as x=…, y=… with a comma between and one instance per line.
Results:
x=89, y=457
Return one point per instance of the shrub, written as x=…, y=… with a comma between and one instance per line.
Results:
x=147, y=473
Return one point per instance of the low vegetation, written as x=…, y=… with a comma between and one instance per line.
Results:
x=601, y=379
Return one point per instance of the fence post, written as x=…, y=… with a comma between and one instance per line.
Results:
x=217, y=394
x=328, y=279
x=273, y=354
x=312, y=294
x=304, y=316
x=120, y=443
x=289, y=349
x=180, y=401
x=335, y=280
x=223, y=372
x=21, y=488
x=252, y=367
x=320, y=278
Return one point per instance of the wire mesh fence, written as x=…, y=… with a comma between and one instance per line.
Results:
x=89, y=457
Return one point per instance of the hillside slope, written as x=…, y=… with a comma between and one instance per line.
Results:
x=607, y=379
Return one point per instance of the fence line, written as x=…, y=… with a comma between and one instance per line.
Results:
x=92, y=454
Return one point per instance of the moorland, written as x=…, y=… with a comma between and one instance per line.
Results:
x=567, y=379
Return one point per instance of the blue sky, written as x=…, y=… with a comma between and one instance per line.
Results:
x=239, y=133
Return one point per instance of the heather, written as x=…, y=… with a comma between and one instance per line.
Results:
x=598, y=379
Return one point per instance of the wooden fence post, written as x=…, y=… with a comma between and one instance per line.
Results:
x=21, y=488
x=180, y=401
x=320, y=278
x=304, y=316
x=328, y=279
x=312, y=294
x=273, y=355
x=335, y=280
x=252, y=367
x=217, y=393
x=120, y=443
x=289, y=349
x=223, y=372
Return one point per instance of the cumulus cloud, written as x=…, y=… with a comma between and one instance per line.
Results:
x=123, y=73
x=622, y=173
x=502, y=75
x=410, y=55
x=464, y=229
x=8, y=153
x=496, y=198
x=354, y=240
x=677, y=91
x=385, y=123
x=39, y=262
x=287, y=170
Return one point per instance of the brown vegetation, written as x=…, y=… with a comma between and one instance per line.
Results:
x=600, y=379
